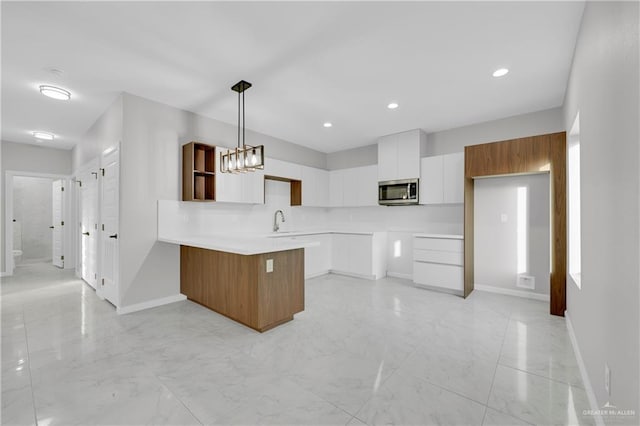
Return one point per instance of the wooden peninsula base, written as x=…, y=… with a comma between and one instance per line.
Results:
x=239, y=286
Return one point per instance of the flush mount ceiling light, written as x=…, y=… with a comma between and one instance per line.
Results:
x=392, y=105
x=45, y=136
x=500, y=72
x=55, y=92
x=327, y=124
x=244, y=158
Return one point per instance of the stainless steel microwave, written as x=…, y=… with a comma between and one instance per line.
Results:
x=398, y=192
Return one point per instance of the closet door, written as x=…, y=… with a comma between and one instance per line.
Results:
x=109, y=203
x=57, y=224
x=89, y=226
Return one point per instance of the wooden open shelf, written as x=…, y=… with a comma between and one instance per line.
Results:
x=198, y=172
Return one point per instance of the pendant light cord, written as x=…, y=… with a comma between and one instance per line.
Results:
x=243, y=137
x=238, y=119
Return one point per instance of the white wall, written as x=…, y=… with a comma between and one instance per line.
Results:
x=496, y=240
x=32, y=212
x=150, y=170
x=217, y=218
x=31, y=159
x=518, y=126
x=454, y=140
x=603, y=87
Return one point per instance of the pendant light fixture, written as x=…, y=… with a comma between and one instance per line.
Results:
x=244, y=158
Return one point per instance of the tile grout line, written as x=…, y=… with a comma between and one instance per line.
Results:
x=166, y=386
x=495, y=371
x=26, y=341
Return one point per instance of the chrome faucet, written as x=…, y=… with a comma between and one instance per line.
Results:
x=276, y=227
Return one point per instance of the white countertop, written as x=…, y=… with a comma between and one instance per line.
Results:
x=248, y=244
x=241, y=244
x=448, y=236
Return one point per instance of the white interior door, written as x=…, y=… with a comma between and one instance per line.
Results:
x=57, y=224
x=109, y=230
x=89, y=227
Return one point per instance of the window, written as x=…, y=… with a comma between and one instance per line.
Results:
x=574, y=202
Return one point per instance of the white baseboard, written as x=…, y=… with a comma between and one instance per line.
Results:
x=593, y=402
x=510, y=292
x=150, y=304
x=319, y=274
x=350, y=274
x=4, y=274
x=400, y=275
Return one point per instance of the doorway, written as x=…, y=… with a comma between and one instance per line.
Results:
x=36, y=208
x=97, y=208
x=535, y=154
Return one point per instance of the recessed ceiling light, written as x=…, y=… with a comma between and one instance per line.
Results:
x=327, y=124
x=392, y=105
x=500, y=72
x=55, y=92
x=43, y=135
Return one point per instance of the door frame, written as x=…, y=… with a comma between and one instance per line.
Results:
x=86, y=168
x=8, y=213
x=534, y=154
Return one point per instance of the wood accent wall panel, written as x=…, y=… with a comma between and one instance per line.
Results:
x=468, y=236
x=239, y=287
x=296, y=192
x=535, y=154
x=187, y=172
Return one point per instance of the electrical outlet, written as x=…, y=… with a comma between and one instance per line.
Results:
x=607, y=379
x=269, y=265
x=504, y=218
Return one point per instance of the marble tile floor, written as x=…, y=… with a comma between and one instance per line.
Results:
x=362, y=352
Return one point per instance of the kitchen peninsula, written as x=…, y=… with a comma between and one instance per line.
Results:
x=257, y=281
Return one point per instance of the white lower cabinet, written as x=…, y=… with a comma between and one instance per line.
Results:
x=354, y=254
x=438, y=263
x=317, y=259
x=359, y=255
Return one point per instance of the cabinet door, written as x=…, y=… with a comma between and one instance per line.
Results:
x=453, y=177
x=408, y=155
x=387, y=158
x=350, y=186
x=317, y=259
x=283, y=169
x=359, y=254
x=367, y=186
x=322, y=188
x=308, y=186
x=431, y=180
x=315, y=187
x=336, y=194
x=229, y=186
x=340, y=252
x=253, y=187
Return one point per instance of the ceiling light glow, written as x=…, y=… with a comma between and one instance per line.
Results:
x=500, y=72
x=55, y=92
x=43, y=136
x=392, y=105
x=327, y=124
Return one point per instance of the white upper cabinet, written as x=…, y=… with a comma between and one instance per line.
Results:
x=315, y=187
x=241, y=187
x=354, y=187
x=336, y=192
x=431, y=185
x=282, y=169
x=453, y=173
x=399, y=155
x=442, y=180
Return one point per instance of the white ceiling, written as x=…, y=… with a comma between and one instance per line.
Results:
x=309, y=63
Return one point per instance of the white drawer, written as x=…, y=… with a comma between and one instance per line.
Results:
x=442, y=244
x=448, y=257
x=438, y=275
